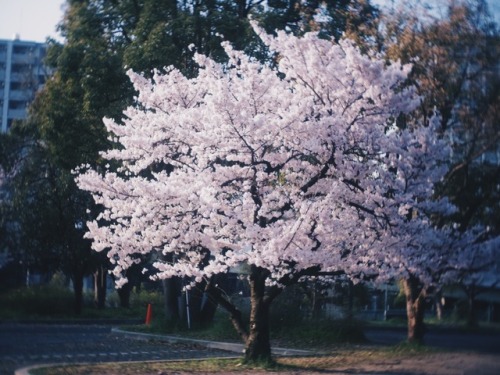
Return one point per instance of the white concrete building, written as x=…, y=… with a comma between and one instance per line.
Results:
x=22, y=73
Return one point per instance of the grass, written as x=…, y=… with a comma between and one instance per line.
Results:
x=306, y=334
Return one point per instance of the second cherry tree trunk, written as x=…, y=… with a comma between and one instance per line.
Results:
x=415, y=308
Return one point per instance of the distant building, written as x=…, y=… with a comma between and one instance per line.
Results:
x=22, y=73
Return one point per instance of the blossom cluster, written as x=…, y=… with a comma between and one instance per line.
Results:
x=288, y=166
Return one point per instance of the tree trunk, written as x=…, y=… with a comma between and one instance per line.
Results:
x=77, y=279
x=471, y=313
x=438, y=303
x=124, y=295
x=415, y=298
x=100, y=284
x=170, y=299
x=316, y=305
x=258, y=344
x=350, y=301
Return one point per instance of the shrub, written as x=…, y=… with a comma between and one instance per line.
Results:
x=36, y=301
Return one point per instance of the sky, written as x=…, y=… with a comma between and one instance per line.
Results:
x=35, y=20
x=32, y=20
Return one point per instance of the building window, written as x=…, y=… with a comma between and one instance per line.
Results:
x=17, y=104
x=16, y=86
x=20, y=68
x=20, y=49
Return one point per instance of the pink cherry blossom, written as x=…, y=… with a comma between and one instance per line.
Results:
x=287, y=168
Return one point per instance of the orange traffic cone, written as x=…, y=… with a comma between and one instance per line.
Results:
x=149, y=314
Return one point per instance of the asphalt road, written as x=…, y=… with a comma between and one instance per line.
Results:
x=28, y=344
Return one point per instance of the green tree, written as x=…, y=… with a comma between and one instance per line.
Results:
x=43, y=228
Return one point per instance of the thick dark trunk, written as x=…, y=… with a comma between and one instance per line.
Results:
x=350, y=301
x=415, y=308
x=471, y=313
x=194, y=298
x=171, y=299
x=438, y=303
x=100, y=284
x=316, y=302
x=77, y=279
x=124, y=295
x=258, y=344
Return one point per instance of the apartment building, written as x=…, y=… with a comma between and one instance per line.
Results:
x=22, y=73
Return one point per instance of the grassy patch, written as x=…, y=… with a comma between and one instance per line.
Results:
x=221, y=328
x=321, y=333
x=306, y=334
x=406, y=348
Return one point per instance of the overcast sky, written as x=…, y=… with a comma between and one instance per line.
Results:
x=32, y=20
x=35, y=20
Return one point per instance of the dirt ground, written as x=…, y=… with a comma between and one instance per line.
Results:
x=428, y=364
x=431, y=364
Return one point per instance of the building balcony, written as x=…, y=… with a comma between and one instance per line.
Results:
x=27, y=59
x=17, y=114
x=22, y=76
x=24, y=95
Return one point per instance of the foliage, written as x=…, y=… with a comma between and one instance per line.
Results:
x=301, y=166
x=55, y=301
x=455, y=65
x=36, y=302
x=46, y=212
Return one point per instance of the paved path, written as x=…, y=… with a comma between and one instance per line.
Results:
x=27, y=344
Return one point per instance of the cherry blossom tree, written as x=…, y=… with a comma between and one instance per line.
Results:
x=455, y=67
x=296, y=170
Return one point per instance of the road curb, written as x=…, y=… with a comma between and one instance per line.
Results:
x=26, y=370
